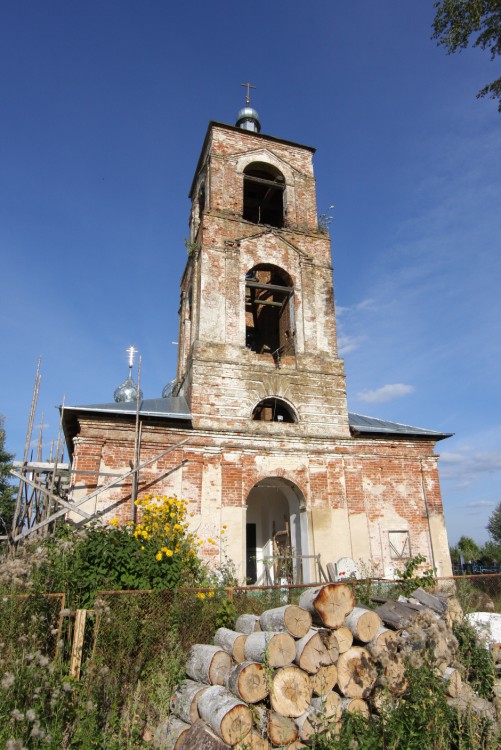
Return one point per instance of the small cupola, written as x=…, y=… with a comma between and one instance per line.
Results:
x=248, y=118
x=128, y=390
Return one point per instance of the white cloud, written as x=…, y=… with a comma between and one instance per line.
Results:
x=348, y=344
x=386, y=393
x=464, y=466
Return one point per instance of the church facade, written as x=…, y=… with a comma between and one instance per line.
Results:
x=255, y=431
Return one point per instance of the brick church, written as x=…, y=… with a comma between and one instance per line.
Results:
x=255, y=431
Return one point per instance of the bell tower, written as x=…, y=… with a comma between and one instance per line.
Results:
x=257, y=340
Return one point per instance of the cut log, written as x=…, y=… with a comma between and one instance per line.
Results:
x=330, y=641
x=311, y=653
x=248, y=624
x=344, y=638
x=430, y=601
x=396, y=615
x=384, y=641
x=208, y=664
x=395, y=677
x=307, y=724
x=170, y=734
x=328, y=707
x=363, y=623
x=454, y=681
x=184, y=701
x=248, y=682
x=328, y=604
x=355, y=706
x=280, y=730
x=201, y=737
x=232, y=642
x=290, y=619
x=253, y=741
x=356, y=673
x=276, y=649
x=324, y=680
x=290, y=691
x=228, y=717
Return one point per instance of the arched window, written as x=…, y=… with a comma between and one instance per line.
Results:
x=264, y=194
x=273, y=410
x=269, y=311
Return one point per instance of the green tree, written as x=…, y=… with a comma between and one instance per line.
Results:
x=494, y=524
x=469, y=548
x=456, y=21
x=6, y=490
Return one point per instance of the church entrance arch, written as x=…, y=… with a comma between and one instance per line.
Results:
x=276, y=533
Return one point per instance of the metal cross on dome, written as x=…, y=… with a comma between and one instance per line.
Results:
x=248, y=86
x=131, y=351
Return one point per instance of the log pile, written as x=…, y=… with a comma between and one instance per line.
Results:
x=279, y=679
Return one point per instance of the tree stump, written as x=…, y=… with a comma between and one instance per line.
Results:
x=363, y=623
x=290, y=691
x=248, y=682
x=208, y=664
x=356, y=673
x=277, y=649
x=231, y=642
x=328, y=604
x=290, y=619
x=184, y=701
x=228, y=717
x=324, y=680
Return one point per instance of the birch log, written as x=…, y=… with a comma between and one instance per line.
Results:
x=231, y=642
x=363, y=623
x=253, y=741
x=248, y=682
x=344, y=638
x=247, y=624
x=311, y=653
x=228, y=717
x=395, y=677
x=277, y=649
x=201, y=737
x=290, y=691
x=290, y=619
x=356, y=673
x=385, y=640
x=454, y=682
x=324, y=680
x=328, y=707
x=184, y=701
x=208, y=664
x=280, y=730
x=330, y=641
x=307, y=724
x=355, y=705
x=328, y=604
x=170, y=734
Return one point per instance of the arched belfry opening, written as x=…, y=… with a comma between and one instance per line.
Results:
x=274, y=410
x=269, y=311
x=276, y=533
x=264, y=187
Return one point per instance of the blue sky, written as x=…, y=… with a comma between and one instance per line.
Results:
x=103, y=110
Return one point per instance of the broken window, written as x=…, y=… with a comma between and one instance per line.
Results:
x=269, y=311
x=273, y=410
x=264, y=194
x=400, y=544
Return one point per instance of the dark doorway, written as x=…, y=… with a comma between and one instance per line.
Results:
x=251, y=553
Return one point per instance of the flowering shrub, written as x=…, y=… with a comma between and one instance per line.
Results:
x=156, y=552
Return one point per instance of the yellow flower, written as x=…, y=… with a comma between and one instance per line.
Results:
x=158, y=555
x=113, y=522
x=200, y=595
x=168, y=552
x=211, y=594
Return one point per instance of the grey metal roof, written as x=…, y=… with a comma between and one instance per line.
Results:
x=174, y=407
x=362, y=424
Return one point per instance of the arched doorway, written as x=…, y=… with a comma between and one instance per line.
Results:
x=276, y=533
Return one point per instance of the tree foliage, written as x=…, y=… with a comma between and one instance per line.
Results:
x=6, y=490
x=457, y=21
x=469, y=548
x=494, y=524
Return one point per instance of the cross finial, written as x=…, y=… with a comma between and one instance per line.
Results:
x=131, y=351
x=248, y=86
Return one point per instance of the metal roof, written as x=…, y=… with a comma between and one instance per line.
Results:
x=361, y=424
x=173, y=407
